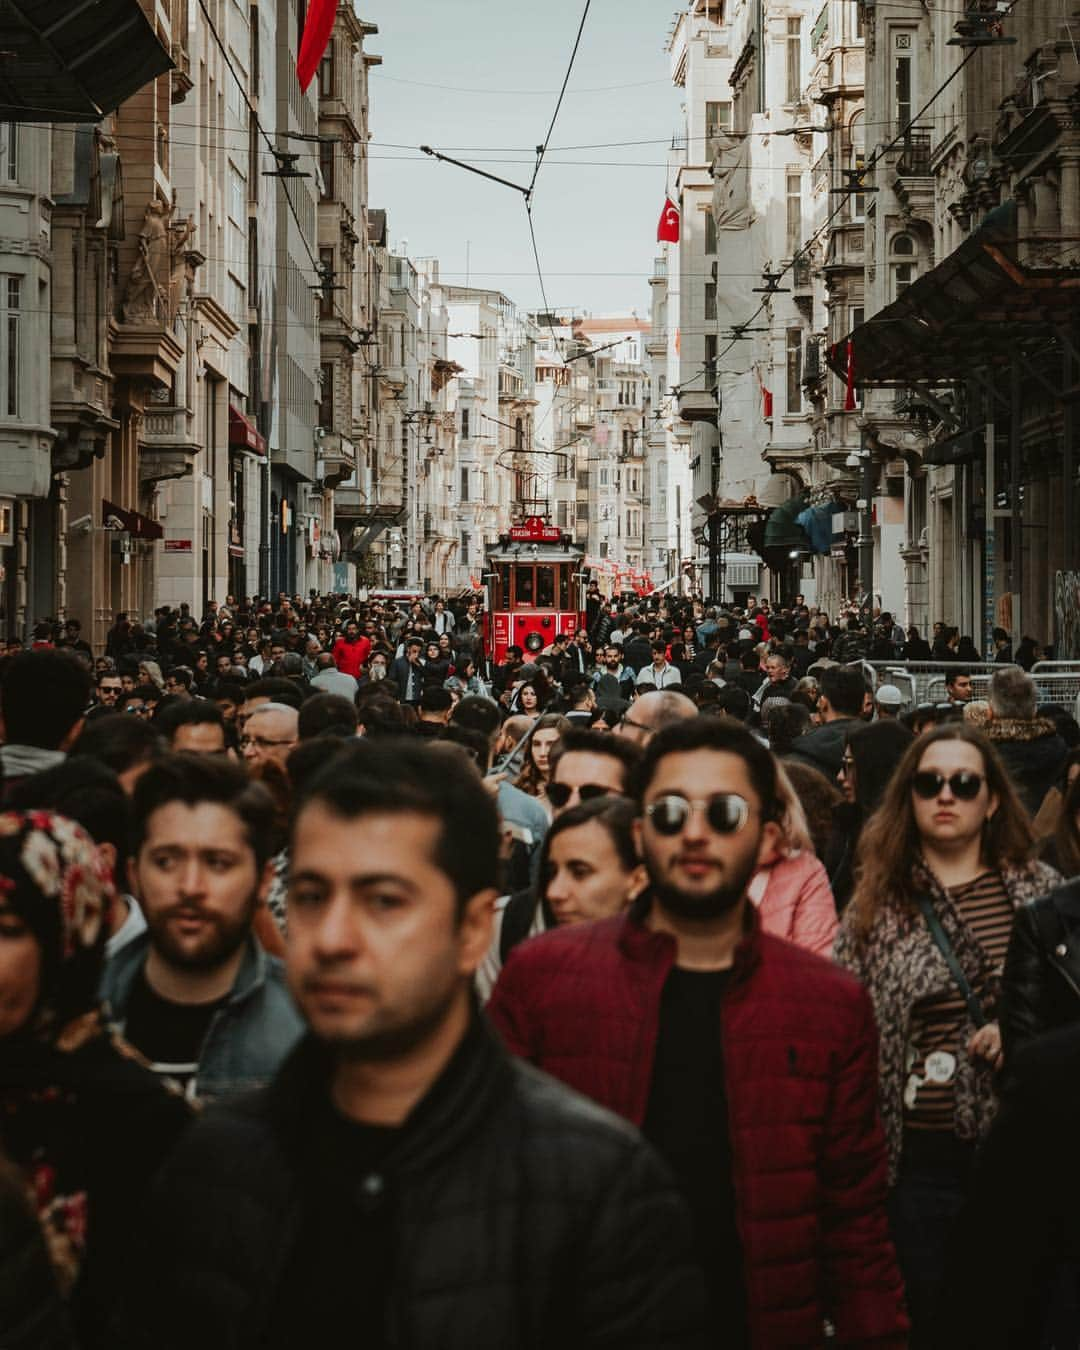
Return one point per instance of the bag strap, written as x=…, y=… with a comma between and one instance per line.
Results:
x=944, y=946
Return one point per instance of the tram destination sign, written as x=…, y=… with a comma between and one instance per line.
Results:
x=533, y=529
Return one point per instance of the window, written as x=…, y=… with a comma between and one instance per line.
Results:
x=857, y=153
x=466, y=547
x=604, y=476
x=710, y=355
x=710, y=301
x=523, y=585
x=326, y=395
x=903, y=264
x=793, y=89
x=583, y=510
x=464, y=484
x=326, y=168
x=9, y=152
x=326, y=294
x=903, y=77
x=562, y=515
x=710, y=232
x=627, y=443
x=237, y=195
x=717, y=125
x=545, y=587
x=794, y=212
x=326, y=73
x=11, y=294
x=794, y=370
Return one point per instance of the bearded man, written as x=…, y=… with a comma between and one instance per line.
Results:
x=749, y=1064
x=196, y=994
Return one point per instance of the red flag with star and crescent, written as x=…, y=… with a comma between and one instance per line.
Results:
x=667, y=232
x=318, y=26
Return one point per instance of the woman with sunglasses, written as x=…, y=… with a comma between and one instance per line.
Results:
x=942, y=867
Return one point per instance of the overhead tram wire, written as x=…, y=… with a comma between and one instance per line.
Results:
x=542, y=151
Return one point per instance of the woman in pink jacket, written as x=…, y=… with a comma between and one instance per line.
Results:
x=791, y=889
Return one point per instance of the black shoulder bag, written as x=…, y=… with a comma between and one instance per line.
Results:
x=944, y=946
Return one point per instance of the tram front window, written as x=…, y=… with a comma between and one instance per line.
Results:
x=564, y=587
x=523, y=585
x=545, y=588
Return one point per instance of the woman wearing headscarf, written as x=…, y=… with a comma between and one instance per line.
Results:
x=86, y=1123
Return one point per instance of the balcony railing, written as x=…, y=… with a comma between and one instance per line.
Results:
x=914, y=161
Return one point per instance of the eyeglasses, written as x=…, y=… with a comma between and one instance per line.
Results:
x=726, y=812
x=964, y=786
x=263, y=742
x=560, y=793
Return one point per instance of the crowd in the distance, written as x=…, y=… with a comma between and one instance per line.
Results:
x=298, y=898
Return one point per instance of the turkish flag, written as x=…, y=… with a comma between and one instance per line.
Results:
x=318, y=26
x=849, y=397
x=667, y=232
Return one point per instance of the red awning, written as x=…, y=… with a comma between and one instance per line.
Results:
x=114, y=517
x=243, y=434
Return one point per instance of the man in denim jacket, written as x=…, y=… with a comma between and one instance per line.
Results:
x=196, y=994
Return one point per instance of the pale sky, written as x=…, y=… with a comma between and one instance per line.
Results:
x=595, y=210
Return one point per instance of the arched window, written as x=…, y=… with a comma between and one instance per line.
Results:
x=903, y=255
x=857, y=157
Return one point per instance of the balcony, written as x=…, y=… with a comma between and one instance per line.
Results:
x=914, y=160
x=335, y=457
x=167, y=445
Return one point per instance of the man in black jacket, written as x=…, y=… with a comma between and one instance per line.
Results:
x=843, y=690
x=402, y=1175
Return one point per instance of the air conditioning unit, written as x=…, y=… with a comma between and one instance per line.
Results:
x=845, y=522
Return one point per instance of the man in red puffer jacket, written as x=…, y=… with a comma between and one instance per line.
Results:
x=748, y=1063
x=351, y=651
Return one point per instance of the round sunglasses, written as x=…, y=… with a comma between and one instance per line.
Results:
x=964, y=786
x=726, y=812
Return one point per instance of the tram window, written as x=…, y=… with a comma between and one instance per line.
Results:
x=524, y=585
x=504, y=586
x=545, y=587
x=564, y=587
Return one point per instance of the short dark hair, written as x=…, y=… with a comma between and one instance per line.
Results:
x=578, y=694
x=407, y=775
x=42, y=695
x=476, y=712
x=844, y=687
x=106, y=675
x=326, y=713
x=277, y=689
x=189, y=713
x=232, y=690
x=435, y=699
x=88, y=793
x=957, y=673
x=182, y=675
x=119, y=741
x=734, y=701
x=194, y=779
x=588, y=741
x=712, y=733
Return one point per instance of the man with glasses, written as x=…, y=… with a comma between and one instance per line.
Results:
x=652, y=711
x=108, y=693
x=749, y=1064
x=270, y=733
x=586, y=763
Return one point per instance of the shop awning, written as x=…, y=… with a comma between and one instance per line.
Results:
x=816, y=522
x=243, y=433
x=74, y=60
x=114, y=517
x=782, y=529
x=968, y=313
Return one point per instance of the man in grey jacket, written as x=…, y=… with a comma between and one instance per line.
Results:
x=196, y=994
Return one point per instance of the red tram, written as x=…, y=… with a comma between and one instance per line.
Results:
x=534, y=585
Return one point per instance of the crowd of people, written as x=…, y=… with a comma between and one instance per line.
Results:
x=664, y=984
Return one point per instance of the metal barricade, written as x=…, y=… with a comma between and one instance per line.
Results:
x=1054, y=667
x=928, y=677
x=1061, y=688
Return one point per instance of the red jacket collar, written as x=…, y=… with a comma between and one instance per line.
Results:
x=637, y=941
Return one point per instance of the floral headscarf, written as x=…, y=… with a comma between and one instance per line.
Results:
x=52, y=877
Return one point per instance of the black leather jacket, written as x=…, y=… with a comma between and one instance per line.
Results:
x=1041, y=986
x=515, y=1215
